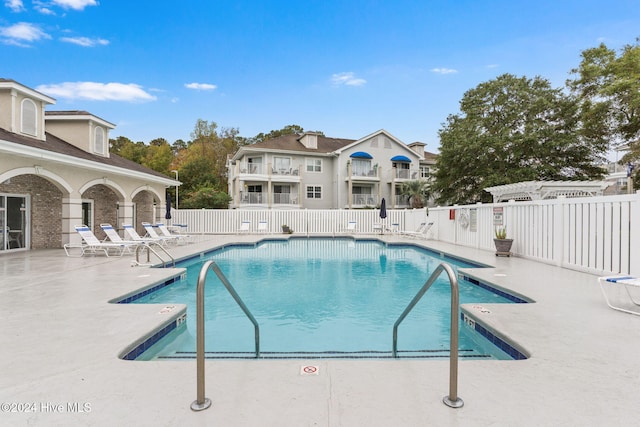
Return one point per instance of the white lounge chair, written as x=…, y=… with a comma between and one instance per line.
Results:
x=420, y=232
x=114, y=237
x=351, y=227
x=91, y=244
x=151, y=232
x=612, y=288
x=263, y=226
x=245, y=226
x=133, y=235
x=165, y=232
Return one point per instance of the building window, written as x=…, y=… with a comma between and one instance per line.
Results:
x=314, y=165
x=29, y=117
x=361, y=167
x=282, y=164
x=314, y=192
x=424, y=171
x=99, y=140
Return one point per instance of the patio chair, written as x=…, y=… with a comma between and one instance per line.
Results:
x=114, y=237
x=165, y=232
x=245, y=226
x=263, y=226
x=91, y=244
x=134, y=236
x=151, y=232
x=627, y=301
x=420, y=232
x=351, y=227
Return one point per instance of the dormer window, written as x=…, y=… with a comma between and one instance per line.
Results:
x=29, y=117
x=99, y=140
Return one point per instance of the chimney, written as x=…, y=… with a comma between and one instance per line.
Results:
x=309, y=140
x=418, y=147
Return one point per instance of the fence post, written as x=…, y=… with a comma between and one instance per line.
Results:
x=634, y=235
x=558, y=230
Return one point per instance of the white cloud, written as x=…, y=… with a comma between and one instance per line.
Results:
x=22, y=33
x=14, y=5
x=493, y=65
x=444, y=70
x=85, y=41
x=97, y=91
x=75, y=4
x=200, y=86
x=348, y=79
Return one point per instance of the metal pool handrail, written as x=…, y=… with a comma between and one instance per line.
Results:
x=147, y=246
x=201, y=401
x=452, y=400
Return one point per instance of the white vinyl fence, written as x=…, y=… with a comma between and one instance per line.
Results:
x=307, y=221
x=600, y=235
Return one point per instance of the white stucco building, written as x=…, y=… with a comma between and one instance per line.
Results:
x=56, y=172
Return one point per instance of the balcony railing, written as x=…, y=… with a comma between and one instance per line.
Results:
x=373, y=173
x=263, y=198
x=285, y=199
x=253, y=168
x=365, y=200
x=253, y=198
x=401, y=201
x=285, y=171
x=406, y=174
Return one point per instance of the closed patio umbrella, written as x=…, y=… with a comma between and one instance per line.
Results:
x=383, y=212
x=168, y=214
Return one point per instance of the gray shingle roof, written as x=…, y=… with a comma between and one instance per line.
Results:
x=291, y=143
x=56, y=145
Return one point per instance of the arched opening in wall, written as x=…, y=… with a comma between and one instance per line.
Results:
x=99, y=206
x=146, y=207
x=30, y=213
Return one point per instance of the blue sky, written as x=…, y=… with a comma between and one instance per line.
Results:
x=346, y=68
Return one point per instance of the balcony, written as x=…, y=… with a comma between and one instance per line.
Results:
x=363, y=175
x=262, y=199
x=405, y=174
x=285, y=172
x=253, y=198
x=285, y=199
x=253, y=169
x=364, y=200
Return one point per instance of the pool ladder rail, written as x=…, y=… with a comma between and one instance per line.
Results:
x=452, y=400
x=201, y=401
x=149, y=249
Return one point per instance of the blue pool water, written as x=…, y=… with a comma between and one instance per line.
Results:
x=322, y=298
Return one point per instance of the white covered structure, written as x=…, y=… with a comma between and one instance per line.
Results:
x=541, y=190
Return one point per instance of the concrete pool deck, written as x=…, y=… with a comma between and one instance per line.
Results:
x=61, y=338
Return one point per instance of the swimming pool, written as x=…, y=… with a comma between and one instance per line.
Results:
x=322, y=297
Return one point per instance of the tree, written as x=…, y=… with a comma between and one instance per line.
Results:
x=202, y=165
x=417, y=191
x=607, y=87
x=159, y=156
x=512, y=129
x=124, y=147
x=207, y=198
x=287, y=130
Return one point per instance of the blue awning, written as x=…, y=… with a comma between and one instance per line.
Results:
x=361, y=155
x=401, y=159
